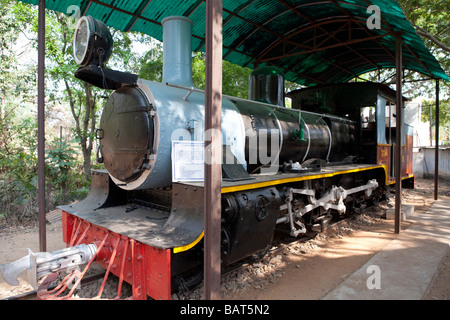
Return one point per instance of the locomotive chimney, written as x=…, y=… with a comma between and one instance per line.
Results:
x=266, y=84
x=177, y=45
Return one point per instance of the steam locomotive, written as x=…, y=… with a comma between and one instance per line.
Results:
x=328, y=154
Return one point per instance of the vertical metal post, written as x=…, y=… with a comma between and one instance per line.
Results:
x=436, y=150
x=41, y=124
x=431, y=124
x=398, y=135
x=213, y=148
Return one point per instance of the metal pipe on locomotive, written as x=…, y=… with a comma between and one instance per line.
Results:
x=281, y=167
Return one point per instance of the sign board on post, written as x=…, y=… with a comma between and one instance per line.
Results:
x=188, y=161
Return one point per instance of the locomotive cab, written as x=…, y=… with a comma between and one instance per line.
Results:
x=372, y=107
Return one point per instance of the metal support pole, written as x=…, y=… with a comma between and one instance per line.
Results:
x=436, y=150
x=213, y=148
x=41, y=124
x=398, y=135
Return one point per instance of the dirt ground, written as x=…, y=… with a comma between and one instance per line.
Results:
x=317, y=265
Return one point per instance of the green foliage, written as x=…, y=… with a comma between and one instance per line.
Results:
x=234, y=77
x=60, y=158
x=235, y=80
x=429, y=109
x=152, y=64
x=18, y=168
x=18, y=121
x=63, y=172
x=431, y=19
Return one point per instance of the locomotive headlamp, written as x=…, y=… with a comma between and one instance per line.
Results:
x=92, y=42
x=92, y=46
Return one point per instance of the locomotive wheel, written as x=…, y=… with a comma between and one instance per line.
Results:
x=188, y=280
x=258, y=256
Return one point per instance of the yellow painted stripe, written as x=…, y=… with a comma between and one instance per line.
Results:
x=403, y=178
x=190, y=245
x=295, y=179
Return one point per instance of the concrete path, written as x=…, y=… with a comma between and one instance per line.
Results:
x=404, y=269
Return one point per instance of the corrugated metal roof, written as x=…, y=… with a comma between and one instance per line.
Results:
x=312, y=41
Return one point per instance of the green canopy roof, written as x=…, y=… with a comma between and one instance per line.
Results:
x=312, y=41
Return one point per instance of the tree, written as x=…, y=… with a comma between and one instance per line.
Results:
x=81, y=97
x=84, y=100
x=234, y=77
x=431, y=20
x=16, y=84
x=432, y=23
x=18, y=126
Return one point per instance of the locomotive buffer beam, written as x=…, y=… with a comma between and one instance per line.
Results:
x=38, y=265
x=334, y=199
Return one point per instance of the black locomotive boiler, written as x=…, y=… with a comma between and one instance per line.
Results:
x=293, y=168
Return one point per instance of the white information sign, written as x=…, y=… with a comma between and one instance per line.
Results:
x=188, y=161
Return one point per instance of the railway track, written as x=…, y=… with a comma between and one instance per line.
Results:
x=284, y=241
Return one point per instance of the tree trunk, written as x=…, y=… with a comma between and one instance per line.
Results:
x=85, y=129
x=88, y=124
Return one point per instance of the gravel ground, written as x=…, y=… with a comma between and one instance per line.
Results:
x=261, y=274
